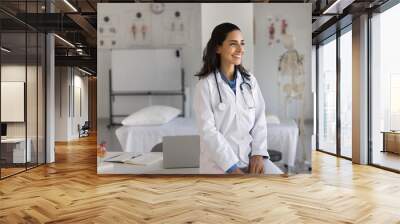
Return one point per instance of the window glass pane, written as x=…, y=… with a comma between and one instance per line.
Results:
x=346, y=94
x=327, y=97
x=31, y=97
x=14, y=146
x=385, y=114
x=41, y=98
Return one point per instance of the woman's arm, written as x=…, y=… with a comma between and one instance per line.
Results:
x=216, y=145
x=259, y=130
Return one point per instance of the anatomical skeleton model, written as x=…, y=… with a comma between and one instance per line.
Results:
x=291, y=83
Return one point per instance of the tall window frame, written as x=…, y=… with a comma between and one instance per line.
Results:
x=338, y=125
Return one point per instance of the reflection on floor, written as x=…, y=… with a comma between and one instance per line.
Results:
x=10, y=169
x=386, y=159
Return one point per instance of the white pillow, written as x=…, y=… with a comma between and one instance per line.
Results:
x=272, y=119
x=153, y=115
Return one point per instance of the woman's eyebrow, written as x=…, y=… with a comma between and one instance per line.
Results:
x=236, y=41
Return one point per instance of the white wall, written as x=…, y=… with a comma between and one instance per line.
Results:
x=267, y=54
x=62, y=81
x=298, y=18
x=263, y=61
x=66, y=120
x=33, y=126
x=80, y=82
x=240, y=14
x=15, y=72
x=191, y=51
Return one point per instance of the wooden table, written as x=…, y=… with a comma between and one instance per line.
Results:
x=391, y=141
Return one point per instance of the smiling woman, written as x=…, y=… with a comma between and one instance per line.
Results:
x=227, y=145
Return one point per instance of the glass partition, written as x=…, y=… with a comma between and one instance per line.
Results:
x=327, y=96
x=31, y=100
x=41, y=87
x=14, y=145
x=22, y=77
x=385, y=90
x=346, y=94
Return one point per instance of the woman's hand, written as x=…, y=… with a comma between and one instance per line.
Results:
x=256, y=165
x=237, y=171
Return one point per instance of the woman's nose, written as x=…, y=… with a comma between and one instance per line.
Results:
x=240, y=49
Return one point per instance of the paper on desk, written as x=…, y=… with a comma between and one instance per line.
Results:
x=145, y=159
x=123, y=157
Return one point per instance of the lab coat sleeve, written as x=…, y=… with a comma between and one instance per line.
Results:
x=259, y=130
x=215, y=143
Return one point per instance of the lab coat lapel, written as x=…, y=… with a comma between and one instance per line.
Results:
x=238, y=81
x=225, y=88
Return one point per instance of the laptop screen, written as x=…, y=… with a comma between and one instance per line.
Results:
x=3, y=129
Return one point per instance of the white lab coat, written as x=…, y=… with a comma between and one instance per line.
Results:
x=228, y=136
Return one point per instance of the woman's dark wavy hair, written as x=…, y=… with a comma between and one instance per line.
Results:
x=212, y=60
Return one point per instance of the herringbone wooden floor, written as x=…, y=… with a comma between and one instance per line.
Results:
x=70, y=191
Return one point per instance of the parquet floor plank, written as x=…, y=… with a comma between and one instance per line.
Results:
x=70, y=191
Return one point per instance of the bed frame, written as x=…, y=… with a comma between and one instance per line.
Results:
x=113, y=94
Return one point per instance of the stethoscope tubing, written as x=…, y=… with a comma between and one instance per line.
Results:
x=240, y=86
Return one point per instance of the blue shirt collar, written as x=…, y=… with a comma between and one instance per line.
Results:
x=229, y=82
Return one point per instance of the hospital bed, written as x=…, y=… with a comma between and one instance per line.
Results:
x=282, y=137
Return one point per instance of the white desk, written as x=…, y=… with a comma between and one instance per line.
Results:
x=18, y=150
x=122, y=168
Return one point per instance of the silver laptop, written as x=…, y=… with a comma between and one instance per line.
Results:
x=181, y=151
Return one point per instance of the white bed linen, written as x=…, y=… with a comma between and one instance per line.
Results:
x=282, y=137
x=140, y=139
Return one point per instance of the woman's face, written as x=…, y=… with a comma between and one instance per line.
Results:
x=232, y=49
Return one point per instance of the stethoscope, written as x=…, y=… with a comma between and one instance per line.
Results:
x=244, y=85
